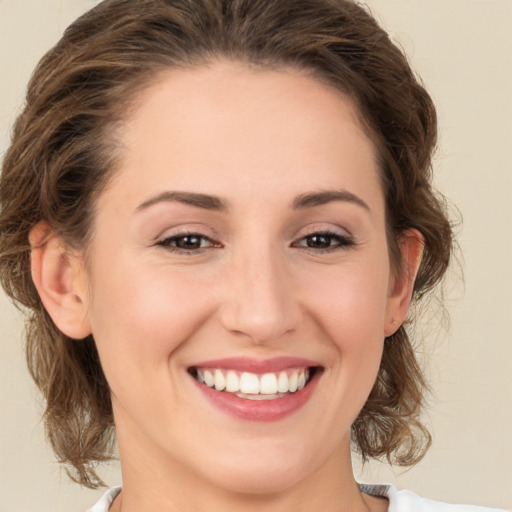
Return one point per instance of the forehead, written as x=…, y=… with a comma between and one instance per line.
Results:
x=206, y=128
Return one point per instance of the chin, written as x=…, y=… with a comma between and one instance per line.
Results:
x=257, y=471
x=261, y=480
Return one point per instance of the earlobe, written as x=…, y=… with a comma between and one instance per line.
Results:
x=400, y=295
x=55, y=276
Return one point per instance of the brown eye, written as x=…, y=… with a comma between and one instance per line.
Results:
x=325, y=241
x=187, y=242
x=319, y=241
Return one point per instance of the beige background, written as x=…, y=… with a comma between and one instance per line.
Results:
x=463, y=51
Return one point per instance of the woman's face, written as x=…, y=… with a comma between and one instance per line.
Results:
x=242, y=242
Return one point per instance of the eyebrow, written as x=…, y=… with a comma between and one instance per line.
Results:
x=205, y=201
x=214, y=203
x=312, y=199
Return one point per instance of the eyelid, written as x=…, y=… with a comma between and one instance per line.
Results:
x=166, y=241
x=344, y=240
x=182, y=228
x=325, y=228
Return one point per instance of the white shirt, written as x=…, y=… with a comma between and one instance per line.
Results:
x=399, y=501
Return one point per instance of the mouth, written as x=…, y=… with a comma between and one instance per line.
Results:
x=255, y=386
x=255, y=390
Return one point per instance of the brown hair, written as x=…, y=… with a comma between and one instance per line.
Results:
x=62, y=155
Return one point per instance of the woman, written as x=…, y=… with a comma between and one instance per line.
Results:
x=218, y=213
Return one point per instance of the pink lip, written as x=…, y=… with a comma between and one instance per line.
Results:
x=248, y=364
x=259, y=410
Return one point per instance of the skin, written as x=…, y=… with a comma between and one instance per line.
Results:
x=257, y=140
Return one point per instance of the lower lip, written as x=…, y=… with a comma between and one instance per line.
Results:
x=259, y=410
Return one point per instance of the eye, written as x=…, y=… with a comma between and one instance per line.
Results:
x=187, y=242
x=325, y=241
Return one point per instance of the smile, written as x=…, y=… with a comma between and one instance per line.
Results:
x=254, y=386
x=257, y=390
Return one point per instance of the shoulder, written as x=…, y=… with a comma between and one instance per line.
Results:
x=106, y=500
x=405, y=501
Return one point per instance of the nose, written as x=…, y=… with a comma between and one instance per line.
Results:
x=261, y=303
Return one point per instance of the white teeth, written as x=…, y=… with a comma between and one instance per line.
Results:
x=259, y=398
x=301, y=381
x=267, y=386
x=232, y=382
x=249, y=383
x=220, y=382
x=293, y=382
x=208, y=378
x=282, y=383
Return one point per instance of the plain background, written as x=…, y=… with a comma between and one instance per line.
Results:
x=463, y=51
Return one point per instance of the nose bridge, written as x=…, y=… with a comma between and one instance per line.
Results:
x=261, y=303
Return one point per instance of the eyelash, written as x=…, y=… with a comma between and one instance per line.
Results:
x=168, y=242
x=340, y=242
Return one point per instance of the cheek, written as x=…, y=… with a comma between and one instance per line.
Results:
x=141, y=320
x=349, y=306
x=350, y=302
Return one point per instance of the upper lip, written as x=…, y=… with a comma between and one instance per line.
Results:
x=252, y=365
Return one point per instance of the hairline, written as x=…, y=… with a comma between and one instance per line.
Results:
x=125, y=106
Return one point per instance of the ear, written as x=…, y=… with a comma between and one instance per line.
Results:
x=56, y=274
x=402, y=284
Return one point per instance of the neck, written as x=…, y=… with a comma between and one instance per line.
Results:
x=151, y=483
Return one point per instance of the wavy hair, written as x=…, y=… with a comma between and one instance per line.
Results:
x=61, y=157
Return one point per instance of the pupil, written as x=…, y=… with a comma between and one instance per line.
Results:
x=319, y=241
x=189, y=242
